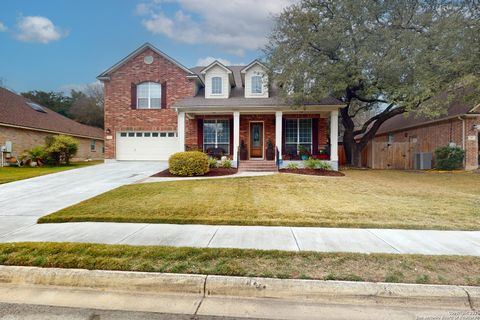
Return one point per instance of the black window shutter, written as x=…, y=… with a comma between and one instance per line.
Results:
x=133, y=96
x=200, y=133
x=164, y=95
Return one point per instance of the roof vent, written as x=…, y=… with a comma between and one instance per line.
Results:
x=36, y=107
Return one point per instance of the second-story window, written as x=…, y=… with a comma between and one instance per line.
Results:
x=257, y=84
x=149, y=95
x=217, y=85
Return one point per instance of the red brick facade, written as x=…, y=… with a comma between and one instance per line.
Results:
x=427, y=138
x=119, y=114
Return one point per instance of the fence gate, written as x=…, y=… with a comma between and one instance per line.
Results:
x=396, y=155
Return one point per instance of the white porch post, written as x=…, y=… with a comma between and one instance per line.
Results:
x=236, y=135
x=278, y=132
x=181, y=131
x=334, y=138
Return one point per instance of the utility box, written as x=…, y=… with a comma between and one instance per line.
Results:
x=8, y=146
x=423, y=160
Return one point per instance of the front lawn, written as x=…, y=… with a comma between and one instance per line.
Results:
x=451, y=270
x=9, y=174
x=378, y=199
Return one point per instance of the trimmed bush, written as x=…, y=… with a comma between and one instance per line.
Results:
x=449, y=158
x=61, y=148
x=316, y=164
x=188, y=163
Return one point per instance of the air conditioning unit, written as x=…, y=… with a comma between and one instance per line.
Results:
x=423, y=160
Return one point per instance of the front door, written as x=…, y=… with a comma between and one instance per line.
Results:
x=256, y=140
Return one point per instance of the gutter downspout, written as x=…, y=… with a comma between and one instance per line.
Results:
x=463, y=139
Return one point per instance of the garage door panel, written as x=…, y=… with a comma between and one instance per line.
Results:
x=141, y=147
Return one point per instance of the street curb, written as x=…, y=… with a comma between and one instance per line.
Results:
x=314, y=291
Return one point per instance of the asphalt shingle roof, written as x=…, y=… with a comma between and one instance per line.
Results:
x=14, y=110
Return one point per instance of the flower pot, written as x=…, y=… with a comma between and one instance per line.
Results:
x=304, y=157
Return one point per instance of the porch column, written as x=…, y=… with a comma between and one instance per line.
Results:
x=181, y=131
x=278, y=132
x=236, y=135
x=334, y=138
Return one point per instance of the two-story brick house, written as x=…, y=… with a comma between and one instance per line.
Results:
x=155, y=106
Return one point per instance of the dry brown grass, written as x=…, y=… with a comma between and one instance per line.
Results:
x=379, y=199
x=455, y=270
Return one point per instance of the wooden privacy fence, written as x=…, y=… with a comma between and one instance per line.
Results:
x=396, y=155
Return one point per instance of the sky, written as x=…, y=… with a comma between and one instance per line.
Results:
x=57, y=45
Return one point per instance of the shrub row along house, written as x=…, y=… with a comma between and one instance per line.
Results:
x=154, y=107
x=401, y=139
x=24, y=125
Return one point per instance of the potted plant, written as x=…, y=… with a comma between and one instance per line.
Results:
x=243, y=151
x=303, y=152
x=323, y=154
x=270, y=150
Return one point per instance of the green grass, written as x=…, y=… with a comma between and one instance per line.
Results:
x=454, y=270
x=9, y=174
x=378, y=199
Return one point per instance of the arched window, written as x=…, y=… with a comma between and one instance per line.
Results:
x=149, y=95
x=257, y=84
x=217, y=85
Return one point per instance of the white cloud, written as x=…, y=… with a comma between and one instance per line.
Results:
x=235, y=26
x=207, y=60
x=3, y=28
x=38, y=29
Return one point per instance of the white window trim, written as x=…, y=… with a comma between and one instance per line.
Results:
x=297, y=143
x=261, y=85
x=221, y=86
x=149, y=98
x=216, y=135
x=93, y=144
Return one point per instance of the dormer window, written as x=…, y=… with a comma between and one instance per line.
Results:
x=149, y=95
x=217, y=85
x=257, y=84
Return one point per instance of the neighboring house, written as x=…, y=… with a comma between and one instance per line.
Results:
x=154, y=106
x=26, y=124
x=400, y=138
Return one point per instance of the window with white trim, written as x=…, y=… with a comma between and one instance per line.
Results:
x=298, y=132
x=257, y=84
x=217, y=85
x=216, y=134
x=149, y=95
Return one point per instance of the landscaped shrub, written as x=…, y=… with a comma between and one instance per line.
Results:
x=226, y=164
x=292, y=165
x=36, y=154
x=212, y=163
x=316, y=164
x=188, y=163
x=449, y=158
x=61, y=148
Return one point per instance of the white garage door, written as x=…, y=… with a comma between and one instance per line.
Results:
x=146, y=145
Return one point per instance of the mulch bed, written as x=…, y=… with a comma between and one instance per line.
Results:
x=216, y=172
x=313, y=172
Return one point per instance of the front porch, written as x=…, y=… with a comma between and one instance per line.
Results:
x=271, y=135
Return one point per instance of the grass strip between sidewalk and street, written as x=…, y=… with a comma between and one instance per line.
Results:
x=451, y=270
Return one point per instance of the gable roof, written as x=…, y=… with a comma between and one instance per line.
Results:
x=251, y=64
x=15, y=110
x=221, y=65
x=237, y=95
x=401, y=122
x=106, y=74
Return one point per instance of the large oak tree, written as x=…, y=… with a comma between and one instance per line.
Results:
x=381, y=58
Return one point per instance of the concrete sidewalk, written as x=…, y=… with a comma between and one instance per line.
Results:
x=429, y=242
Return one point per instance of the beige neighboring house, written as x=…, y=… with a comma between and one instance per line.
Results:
x=24, y=125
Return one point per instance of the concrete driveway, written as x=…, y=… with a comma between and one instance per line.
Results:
x=22, y=202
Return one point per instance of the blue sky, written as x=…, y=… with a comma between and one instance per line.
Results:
x=59, y=44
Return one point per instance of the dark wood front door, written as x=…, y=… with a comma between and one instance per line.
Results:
x=256, y=140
